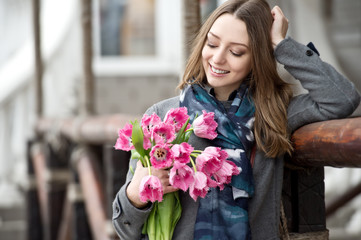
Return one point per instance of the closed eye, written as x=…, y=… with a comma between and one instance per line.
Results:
x=211, y=45
x=236, y=54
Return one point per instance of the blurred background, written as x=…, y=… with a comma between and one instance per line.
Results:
x=84, y=58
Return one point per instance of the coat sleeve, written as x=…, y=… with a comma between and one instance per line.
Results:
x=128, y=220
x=330, y=95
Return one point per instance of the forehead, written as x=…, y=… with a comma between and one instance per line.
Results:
x=230, y=29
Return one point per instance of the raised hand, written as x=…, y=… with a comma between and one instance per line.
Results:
x=279, y=26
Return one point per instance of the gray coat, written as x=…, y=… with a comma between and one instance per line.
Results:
x=330, y=96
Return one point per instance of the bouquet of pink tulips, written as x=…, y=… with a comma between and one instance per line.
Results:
x=164, y=144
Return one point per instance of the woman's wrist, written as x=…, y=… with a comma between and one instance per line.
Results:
x=276, y=41
x=134, y=199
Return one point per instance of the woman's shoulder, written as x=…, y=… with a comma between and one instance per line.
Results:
x=162, y=107
x=170, y=102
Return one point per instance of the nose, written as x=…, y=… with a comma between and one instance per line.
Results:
x=219, y=56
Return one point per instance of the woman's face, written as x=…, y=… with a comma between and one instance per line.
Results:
x=226, y=56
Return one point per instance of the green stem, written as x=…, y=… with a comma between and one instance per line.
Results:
x=194, y=165
x=191, y=129
x=148, y=164
x=197, y=151
x=142, y=161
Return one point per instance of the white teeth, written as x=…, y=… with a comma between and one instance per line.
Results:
x=217, y=70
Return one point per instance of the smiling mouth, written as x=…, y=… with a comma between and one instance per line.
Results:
x=217, y=71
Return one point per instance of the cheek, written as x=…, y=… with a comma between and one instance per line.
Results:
x=204, y=54
x=205, y=57
x=243, y=66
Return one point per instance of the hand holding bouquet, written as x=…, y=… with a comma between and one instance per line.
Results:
x=164, y=145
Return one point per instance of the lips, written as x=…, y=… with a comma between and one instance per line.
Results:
x=217, y=70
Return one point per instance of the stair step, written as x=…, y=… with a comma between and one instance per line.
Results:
x=12, y=213
x=12, y=223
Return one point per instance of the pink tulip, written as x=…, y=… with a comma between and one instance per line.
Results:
x=211, y=160
x=148, y=123
x=163, y=133
x=205, y=126
x=224, y=174
x=211, y=183
x=124, y=141
x=150, y=189
x=199, y=187
x=181, y=176
x=181, y=152
x=177, y=117
x=161, y=156
x=146, y=143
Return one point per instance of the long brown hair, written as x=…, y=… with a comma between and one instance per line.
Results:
x=270, y=93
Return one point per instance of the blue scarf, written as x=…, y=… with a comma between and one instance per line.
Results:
x=224, y=214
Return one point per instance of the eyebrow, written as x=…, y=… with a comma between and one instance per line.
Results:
x=237, y=43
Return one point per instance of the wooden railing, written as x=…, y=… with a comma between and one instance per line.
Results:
x=78, y=173
x=334, y=143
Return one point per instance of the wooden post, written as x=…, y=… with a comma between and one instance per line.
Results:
x=310, y=200
x=90, y=179
x=116, y=165
x=58, y=177
x=304, y=202
x=80, y=223
x=87, y=104
x=65, y=226
x=191, y=23
x=39, y=163
x=38, y=59
x=327, y=9
x=34, y=224
x=52, y=178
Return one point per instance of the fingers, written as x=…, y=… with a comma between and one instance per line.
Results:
x=277, y=13
x=160, y=173
x=133, y=188
x=163, y=175
x=279, y=25
x=139, y=164
x=169, y=189
x=140, y=172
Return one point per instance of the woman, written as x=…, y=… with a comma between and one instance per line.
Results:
x=232, y=72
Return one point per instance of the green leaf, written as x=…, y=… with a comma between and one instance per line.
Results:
x=163, y=218
x=177, y=212
x=165, y=210
x=180, y=134
x=187, y=135
x=151, y=224
x=135, y=155
x=137, y=138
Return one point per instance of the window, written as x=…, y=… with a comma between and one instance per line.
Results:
x=207, y=7
x=127, y=27
x=137, y=37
